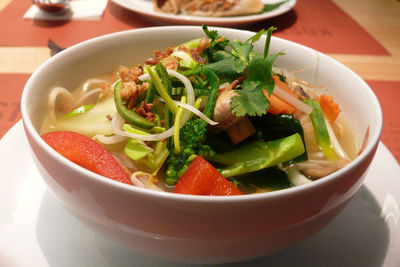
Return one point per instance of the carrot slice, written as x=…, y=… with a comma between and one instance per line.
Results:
x=276, y=104
x=201, y=178
x=283, y=85
x=329, y=107
x=86, y=153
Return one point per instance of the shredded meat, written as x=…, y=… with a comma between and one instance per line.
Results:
x=183, y=48
x=131, y=92
x=196, y=57
x=159, y=55
x=203, y=43
x=171, y=63
x=144, y=111
x=130, y=75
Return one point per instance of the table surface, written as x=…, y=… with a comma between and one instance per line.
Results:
x=374, y=55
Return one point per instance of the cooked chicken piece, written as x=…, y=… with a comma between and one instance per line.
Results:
x=222, y=112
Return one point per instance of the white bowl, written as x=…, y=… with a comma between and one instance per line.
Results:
x=189, y=228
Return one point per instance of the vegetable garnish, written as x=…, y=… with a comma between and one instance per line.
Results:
x=129, y=115
x=86, y=153
x=204, y=110
x=259, y=155
x=79, y=110
x=329, y=107
x=201, y=178
x=321, y=131
x=255, y=67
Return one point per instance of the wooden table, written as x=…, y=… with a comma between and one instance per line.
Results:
x=378, y=18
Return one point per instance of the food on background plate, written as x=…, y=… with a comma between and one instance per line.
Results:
x=213, y=8
x=211, y=116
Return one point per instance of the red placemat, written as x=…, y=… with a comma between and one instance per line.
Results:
x=388, y=94
x=319, y=24
x=10, y=99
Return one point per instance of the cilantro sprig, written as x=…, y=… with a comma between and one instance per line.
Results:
x=243, y=61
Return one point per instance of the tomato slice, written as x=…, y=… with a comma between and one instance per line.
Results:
x=86, y=153
x=201, y=178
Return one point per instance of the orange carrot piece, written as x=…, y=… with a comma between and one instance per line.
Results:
x=240, y=130
x=329, y=107
x=283, y=85
x=278, y=106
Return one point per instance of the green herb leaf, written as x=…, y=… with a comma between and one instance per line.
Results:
x=250, y=100
x=227, y=65
x=256, y=37
x=242, y=51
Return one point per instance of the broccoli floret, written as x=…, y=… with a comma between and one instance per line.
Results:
x=192, y=138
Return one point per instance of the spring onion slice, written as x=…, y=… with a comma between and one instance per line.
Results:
x=117, y=122
x=188, y=87
x=292, y=100
x=196, y=112
x=182, y=78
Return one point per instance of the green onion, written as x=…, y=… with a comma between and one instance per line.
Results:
x=177, y=124
x=79, y=110
x=321, y=131
x=162, y=90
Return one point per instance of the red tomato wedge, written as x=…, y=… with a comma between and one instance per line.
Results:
x=86, y=153
x=201, y=178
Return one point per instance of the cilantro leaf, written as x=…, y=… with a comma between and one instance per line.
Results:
x=250, y=100
x=255, y=37
x=226, y=64
x=242, y=51
x=259, y=70
x=213, y=34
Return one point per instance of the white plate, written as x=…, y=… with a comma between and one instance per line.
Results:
x=36, y=231
x=145, y=8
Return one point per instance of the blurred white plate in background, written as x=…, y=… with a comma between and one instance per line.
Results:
x=145, y=8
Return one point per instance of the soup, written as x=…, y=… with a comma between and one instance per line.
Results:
x=207, y=117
